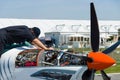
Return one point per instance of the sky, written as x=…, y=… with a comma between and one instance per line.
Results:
x=59, y=9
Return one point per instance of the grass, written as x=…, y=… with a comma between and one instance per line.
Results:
x=113, y=69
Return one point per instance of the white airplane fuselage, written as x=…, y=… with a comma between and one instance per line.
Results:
x=10, y=72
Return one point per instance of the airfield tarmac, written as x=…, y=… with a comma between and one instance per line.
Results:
x=115, y=76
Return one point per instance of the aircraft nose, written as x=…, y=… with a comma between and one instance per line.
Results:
x=101, y=61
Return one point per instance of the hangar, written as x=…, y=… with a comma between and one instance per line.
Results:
x=69, y=33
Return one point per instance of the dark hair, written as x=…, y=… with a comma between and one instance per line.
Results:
x=36, y=31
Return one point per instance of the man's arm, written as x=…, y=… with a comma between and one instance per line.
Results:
x=40, y=44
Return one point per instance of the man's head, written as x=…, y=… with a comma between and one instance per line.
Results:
x=36, y=31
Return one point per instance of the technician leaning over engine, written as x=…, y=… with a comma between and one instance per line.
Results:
x=20, y=34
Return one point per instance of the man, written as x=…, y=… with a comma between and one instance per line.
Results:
x=20, y=34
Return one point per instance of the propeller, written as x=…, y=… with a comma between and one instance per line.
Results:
x=111, y=48
x=100, y=60
x=94, y=30
x=104, y=75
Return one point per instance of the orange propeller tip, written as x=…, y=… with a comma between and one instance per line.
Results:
x=100, y=61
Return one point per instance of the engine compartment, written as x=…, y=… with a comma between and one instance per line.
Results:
x=36, y=57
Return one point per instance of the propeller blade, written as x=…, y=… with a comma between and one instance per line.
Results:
x=92, y=75
x=88, y=75
x=94, y=30
x=105, y=76
x=110, y=49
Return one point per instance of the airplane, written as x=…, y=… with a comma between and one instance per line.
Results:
x=29, y=63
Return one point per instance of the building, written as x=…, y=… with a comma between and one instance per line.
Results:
x=69, y=33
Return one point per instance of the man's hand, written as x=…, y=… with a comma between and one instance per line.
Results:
x=51, y=48
x=39, y=44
